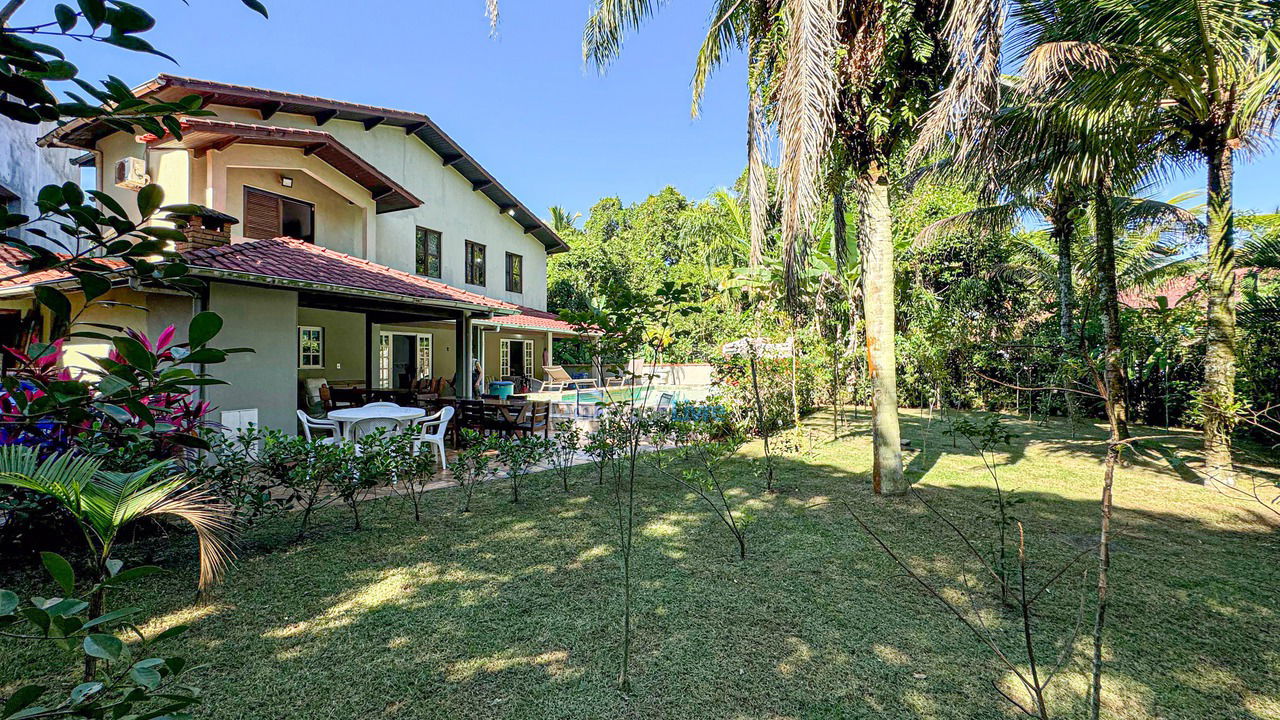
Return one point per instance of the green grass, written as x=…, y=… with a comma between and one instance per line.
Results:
x=512, y=611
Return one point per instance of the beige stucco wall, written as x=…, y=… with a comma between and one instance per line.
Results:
x=267, y=379
x=344, y=354
x=449, y=205
x=339, y=225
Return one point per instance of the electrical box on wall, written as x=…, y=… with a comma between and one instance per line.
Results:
x=233, y=421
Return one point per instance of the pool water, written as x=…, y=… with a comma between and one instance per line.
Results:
x=640, y=395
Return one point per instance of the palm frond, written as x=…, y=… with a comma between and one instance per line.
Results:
x=986, y=220
x=211, y=518
x=807, y=109
x=728, y=31
x=608, y=24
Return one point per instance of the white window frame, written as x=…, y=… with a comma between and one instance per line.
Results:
x=302, y=364
x=423, y=345
x=504, y=355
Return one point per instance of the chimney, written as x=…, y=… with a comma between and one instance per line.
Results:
x=202, y=226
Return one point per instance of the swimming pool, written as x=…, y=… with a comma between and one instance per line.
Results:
x=583, y=403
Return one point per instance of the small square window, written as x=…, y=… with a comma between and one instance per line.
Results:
x=310, y=348
x=515, y=273
x=475, y=263
x=429, y=252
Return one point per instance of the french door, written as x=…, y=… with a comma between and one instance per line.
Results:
x=403, y=358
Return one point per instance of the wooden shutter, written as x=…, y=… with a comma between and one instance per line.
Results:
x=261, y=215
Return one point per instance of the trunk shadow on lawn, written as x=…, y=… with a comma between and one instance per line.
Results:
x=511, y=611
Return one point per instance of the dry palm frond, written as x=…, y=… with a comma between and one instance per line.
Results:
x=1052, y=64
x=491, y=12
x=807, y=95
x=212, y=520
x=757, y=182
x=975, y=35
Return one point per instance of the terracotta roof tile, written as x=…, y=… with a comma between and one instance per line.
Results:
x=10, y=257
x=535, y=319
x=291, y=259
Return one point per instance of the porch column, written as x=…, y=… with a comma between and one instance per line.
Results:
x=548, y=356
x=370, y=356
x=462, y=355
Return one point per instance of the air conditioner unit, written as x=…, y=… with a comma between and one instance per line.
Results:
x=131, y=174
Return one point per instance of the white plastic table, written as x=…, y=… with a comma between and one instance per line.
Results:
x=346, y=416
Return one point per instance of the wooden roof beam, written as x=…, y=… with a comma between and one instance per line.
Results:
x=373, y=122
x=451, y=160
x=267, y=109
x=481, y=184
x=325, y=116
x=412, y=128
x=312, y=149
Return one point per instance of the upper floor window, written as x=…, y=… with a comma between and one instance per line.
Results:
x=429, y=252
x=268, y=215
x=515, y=273
x=475, y=263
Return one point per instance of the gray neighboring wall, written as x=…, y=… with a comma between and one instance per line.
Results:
x=25, y=168
x=267, y=379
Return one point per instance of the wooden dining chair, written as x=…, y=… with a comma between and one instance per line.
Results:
x=535, y=417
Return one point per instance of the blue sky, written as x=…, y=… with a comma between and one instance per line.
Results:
x=523, y=103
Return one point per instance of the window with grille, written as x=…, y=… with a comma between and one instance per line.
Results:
x=475, y=263
x=429, y=252
x=310, y=348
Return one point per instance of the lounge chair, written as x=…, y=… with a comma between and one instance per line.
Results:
x=558, y=379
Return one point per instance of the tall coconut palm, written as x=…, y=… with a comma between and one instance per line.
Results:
x=1208, y=72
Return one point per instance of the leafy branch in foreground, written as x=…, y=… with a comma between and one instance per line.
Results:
x=120, y=686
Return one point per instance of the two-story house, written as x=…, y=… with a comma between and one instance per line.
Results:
x=352, y=243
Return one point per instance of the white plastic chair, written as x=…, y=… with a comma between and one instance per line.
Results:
x=368, y=426
x=311, y=424
x=382, y=405
x=431, y=430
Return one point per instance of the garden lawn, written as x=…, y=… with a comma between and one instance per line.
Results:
x=512, y=611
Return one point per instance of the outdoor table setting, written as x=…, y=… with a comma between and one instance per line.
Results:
x=346, y=417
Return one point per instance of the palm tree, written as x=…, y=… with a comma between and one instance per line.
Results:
x=1206, y=71
x=103, y=502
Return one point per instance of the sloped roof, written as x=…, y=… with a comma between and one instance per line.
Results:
x=200, y=134
x=297, y=264
x=10, y=258
x=85, y=132
x=294, y=260
x=534, y=320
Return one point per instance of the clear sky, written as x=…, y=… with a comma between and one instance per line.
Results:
x=523, y=103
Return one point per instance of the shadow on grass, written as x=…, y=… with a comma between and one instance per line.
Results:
x=512, y=611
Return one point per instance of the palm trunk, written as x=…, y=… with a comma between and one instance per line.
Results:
x=1220, y=335
x=1063, y=228
x=878, y=310
x=757, y=181
x=1113, y=373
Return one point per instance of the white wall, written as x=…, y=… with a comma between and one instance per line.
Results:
x=449, y=206
x=25, y=168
